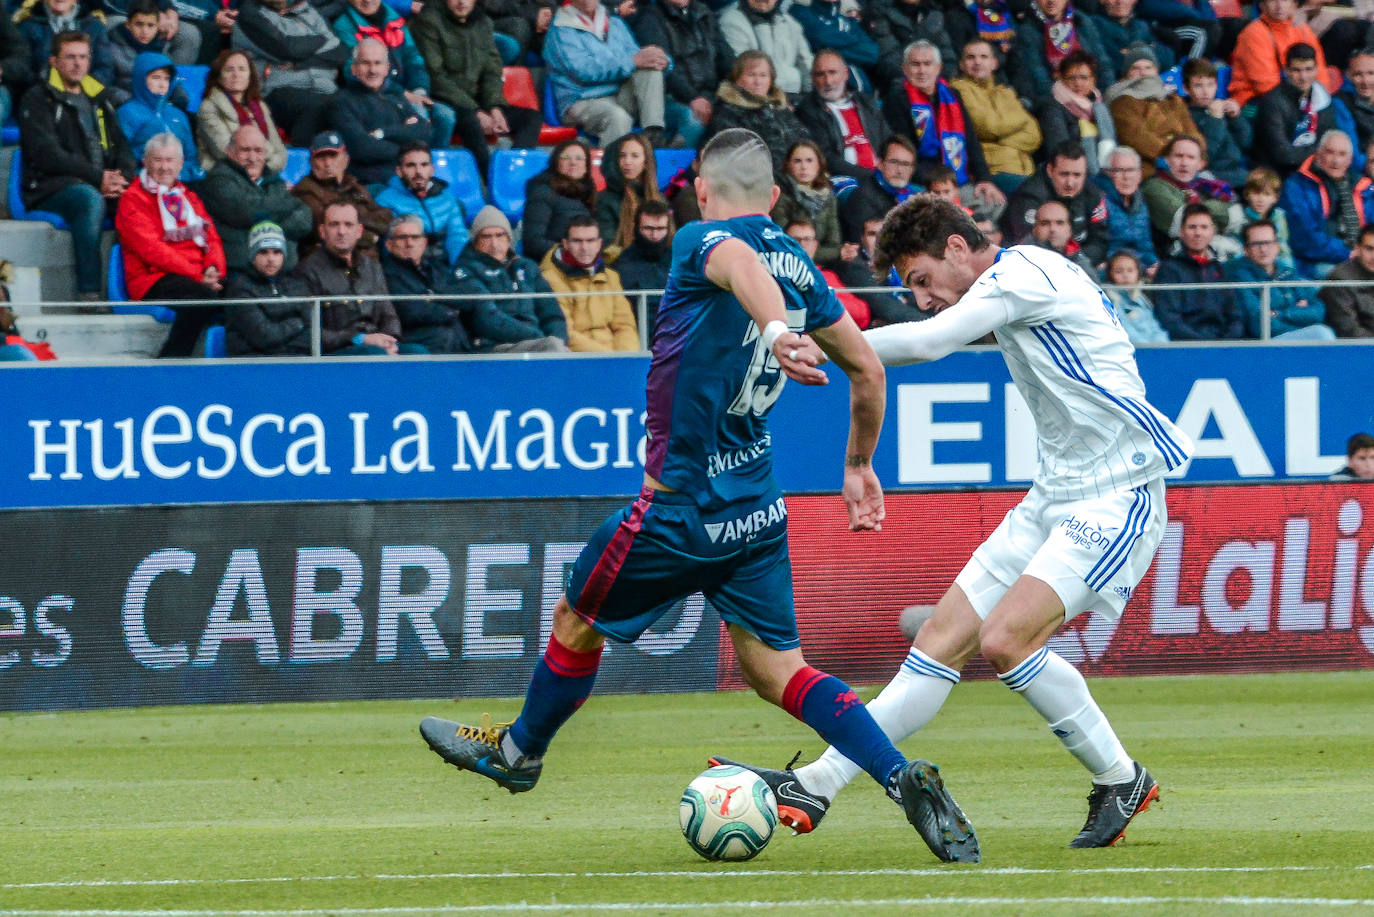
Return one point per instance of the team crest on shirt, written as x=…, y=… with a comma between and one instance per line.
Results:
x=1138, y=459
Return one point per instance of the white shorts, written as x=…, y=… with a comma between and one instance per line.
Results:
x=1092, y=553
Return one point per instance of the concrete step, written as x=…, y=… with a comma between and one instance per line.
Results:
x=80, y=337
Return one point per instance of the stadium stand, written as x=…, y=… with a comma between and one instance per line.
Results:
x=193, y=81
x=297, y=164
x=458, y=167
x=518, y=89
x=510, y=171
x=118, y=293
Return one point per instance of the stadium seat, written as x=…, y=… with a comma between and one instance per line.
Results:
x=518, y=89
x=193, y=79
x=119, y=293
x=16, y=199
x=459, y=169
x=670, y=162
x=214, y=342
x=1173, y=78
x=9, y=133
x=297, y=164
x=510, y=171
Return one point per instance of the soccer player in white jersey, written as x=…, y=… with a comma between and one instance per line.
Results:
x=1082, y=538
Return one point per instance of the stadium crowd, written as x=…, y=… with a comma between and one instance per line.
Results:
x=1149, y=141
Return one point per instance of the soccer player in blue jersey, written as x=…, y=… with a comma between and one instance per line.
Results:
x=710, y=516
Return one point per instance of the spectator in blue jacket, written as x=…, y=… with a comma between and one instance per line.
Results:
x=1197, y=313
x=603, y=81
x=52, y=17
x=1326, y=204
x=1295, y=313
x=1133, y=307
x=142, y=32
x=371, y=19
x=150, y=112
x=1128, y=219
x=826, y=25
x=523, y=324
x=415, y=190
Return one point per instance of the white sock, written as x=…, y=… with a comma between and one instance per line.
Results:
x=1058, y=692
x=908, y=702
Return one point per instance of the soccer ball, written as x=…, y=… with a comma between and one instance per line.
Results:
x=728, y=813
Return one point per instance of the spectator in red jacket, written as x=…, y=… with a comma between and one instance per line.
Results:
x=804, y=232
x=171, y=248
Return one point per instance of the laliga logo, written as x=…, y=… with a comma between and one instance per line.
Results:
x=721, y=799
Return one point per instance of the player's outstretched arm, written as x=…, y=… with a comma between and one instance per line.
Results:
x=845, y=345
x=921, y=342
x=733, y=265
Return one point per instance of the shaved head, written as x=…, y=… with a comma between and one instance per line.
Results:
x=737, y=166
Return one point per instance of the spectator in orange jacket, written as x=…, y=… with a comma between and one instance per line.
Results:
x=1257, y=64
x=171, y=248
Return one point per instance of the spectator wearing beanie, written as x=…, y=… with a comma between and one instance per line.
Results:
x=1146, y=112
x=487, y=266
x=267, y=326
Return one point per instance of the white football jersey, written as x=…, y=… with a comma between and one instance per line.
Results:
x=1075, y=367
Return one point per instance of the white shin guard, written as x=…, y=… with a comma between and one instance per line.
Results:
x=1058, y=692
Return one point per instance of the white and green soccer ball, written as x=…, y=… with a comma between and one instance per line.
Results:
x=728, y=813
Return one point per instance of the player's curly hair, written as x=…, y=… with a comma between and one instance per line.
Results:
x=922, y=224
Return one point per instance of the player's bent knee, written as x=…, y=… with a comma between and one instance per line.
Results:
x=573, y=632
x=1003, y=648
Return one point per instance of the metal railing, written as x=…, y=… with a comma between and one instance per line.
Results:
x=640, y=300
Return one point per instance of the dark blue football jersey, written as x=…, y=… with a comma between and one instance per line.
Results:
x=712, y=381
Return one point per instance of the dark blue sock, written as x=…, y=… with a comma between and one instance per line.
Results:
x=831, y=707
x=561, y=682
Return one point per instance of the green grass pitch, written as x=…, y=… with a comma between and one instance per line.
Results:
x=339, y=808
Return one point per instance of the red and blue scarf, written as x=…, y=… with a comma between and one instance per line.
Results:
x=946, y=141
x=994, y=23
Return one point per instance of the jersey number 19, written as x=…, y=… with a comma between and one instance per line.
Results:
x=754, y=395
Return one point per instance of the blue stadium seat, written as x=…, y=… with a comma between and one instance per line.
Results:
x=297, y=164
x=670, y=162
x=459, y=169
x=9, y=133
x=1223, y=81
x=1173, y=78
x=119, y=293
x=16, y=199
x=550, y=107
x=193, y=79
x=214, y=342
x=510, y=170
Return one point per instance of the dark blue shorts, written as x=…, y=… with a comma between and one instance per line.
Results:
x=662, y=548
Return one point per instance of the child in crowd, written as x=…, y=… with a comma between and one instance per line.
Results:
x=942, y=182
x=1260, y=196
x=1133, y=307
x=141, y=33
x=150, y=112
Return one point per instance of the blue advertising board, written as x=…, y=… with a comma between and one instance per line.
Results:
x=212, y=432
